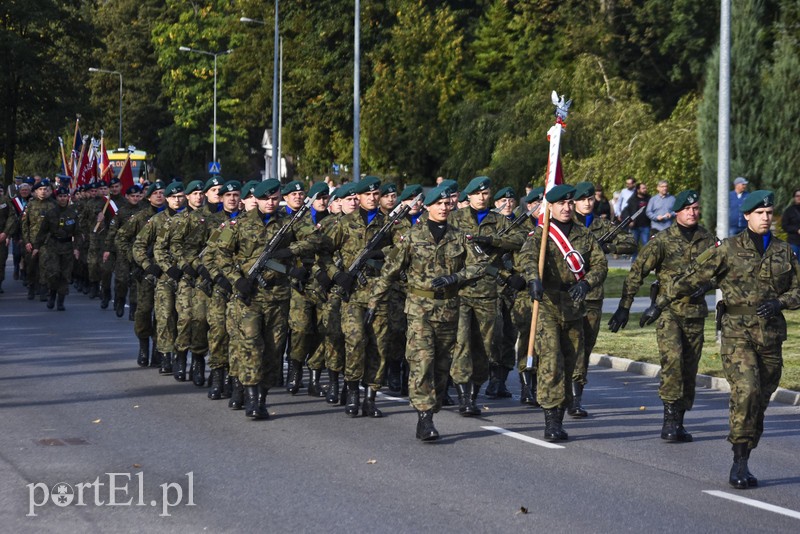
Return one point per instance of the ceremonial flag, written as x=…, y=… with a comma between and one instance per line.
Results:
x=77, y=150
x=111, y=205
x=105, y=170
x=19, y=205
x=86, y=170
x=126, y=174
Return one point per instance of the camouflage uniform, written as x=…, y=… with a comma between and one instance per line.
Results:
x=751, y=345
x=8, y=226
x=679, y=330
x=106, y=244
x=432, y=315
x=58, y=230
x=163, y=225
x=96, y=240
x=121, y=253
x=127, y=236
x=32, y=220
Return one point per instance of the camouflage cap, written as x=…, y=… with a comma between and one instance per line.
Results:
x=684, y=199
x=505, y=192
x=762, y=198
x=481, y=183
x=560, y=193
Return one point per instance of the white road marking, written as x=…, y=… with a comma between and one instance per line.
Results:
x=522, y=437
x=754, y=503
x=391, y=398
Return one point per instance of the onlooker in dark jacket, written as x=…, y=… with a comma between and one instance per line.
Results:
x=736, y=222
x=640, y=226
x=790, y=221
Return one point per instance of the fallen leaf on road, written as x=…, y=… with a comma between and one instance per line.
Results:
x=522, y=510
x=642, y=408
x=96, y=421
x=137, y=466
x=135, y=405
x=372, y=461
x=485, y=407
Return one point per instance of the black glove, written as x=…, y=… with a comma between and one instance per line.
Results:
x=535, y=289
x=769, y=308
x=700, y=291
x=444, y=281
x=323, y=280
x=299, y=273
x=579, y=291
x=609, y=248
x=619, y=319
x=281, y=254
x=345, y=280
x=223, y=283
x=174, y=272
x=153, y=270
x=189, y=271
x=516, y=282
x=649, y=315
x=369, y=316
x=482, y=240
x=202, y=271
x=244, y=286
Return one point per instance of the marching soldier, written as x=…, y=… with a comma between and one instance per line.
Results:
x=574, y=264
x=436, y=259
x=679, y=332
x=107, y=263
x=31, y=222
x=8, y=227
x=58, y=229
x=622, y=243
x=121, y=260
x=759, y=276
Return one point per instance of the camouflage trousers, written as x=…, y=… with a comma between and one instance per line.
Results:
x=591, y=327
x=753, y=372
x=95, y=255
x=429, y=355
x=395, y=350
x=330, y=353
x=143, y=322
x=57, y=268
x=505, y=332
x=304, y=322
x=3, y=258
x=123, y=281
x=258, y=338
x=521, y=316
x=32, y=272
x=192, y=328
x=107, y=269
x=218, y=338
x=363, y=359
x=559, y=343
x=680, y=345
x=473, y=349
x=166, y=315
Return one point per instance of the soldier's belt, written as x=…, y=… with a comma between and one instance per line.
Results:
x=61, y=239
x=446, y=293
x=740, y=310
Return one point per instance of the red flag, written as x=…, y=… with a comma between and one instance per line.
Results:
x=112, y=206
x=126, y=174
x=86, y=170
x=105, y=170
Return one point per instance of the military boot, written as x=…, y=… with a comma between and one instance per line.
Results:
x=295, y=376
x=105, y=297
x=31, y=291
x=425, y=429
x=560, y=413
x=198, y=369
x=551, y=432
x=447, y=400
x=494, y=382
x=132, y=311
x=119, y=305
x=314, y=389
x=143, y=360
x=473, y=399
x=669, y=430
x=394, y=376
x=167, y=361
x=752, y=481
x=256, y=402
x=60, y=303
x=236, y=401
x=404, y=380
x=343, y=394
x=368, y=408
x=465, y=405
x=227, y=386
x=94, y=289
x=51, y=301
x=527, y=389
x=179, y=369
x=353, y=399
x=738, y=477
x=502, y=390
x=683, y=435
x=250, y=400
x=155, y=360
x=333, y=387
x=576, y=409
x=215, y=380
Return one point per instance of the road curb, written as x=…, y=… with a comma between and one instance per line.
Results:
x=784, y=396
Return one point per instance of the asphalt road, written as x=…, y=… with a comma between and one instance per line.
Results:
x=75, y=407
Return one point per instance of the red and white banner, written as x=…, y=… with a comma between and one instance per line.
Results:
x=112, y=206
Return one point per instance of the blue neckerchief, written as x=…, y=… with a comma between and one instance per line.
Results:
x=162, y=208
x=511, y=217
x=266, y=218
x=233, y=214
x=766, y=238
x=371, y=215
x=589, y=219
x=289, y=210
x=219, y=207
x=313, y=215
x=481, y=215
x=180, y=209
x=415, y=218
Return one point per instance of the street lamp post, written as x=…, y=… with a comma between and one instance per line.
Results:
x=93, y=69
x=275, y=135
x=214, y=55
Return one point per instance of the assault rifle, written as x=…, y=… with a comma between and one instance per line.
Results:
x=516, y=222
x=356, y=269
x=608, y=236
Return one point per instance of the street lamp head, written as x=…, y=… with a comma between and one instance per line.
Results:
x=185, y=49
x=254, y=21
x=93, y=69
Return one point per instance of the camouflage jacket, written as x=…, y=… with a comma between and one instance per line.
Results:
x=623, y=243
x=216, y=223
x=33, y=217
x=422, y=259
x=746, y=280
x=58, y=229
x=8, y=219
x=142, y=249
x=165, y=253
x=126, y=234
x=491, y=225
x=557, y=277
x=669, y=254
x=123, y=216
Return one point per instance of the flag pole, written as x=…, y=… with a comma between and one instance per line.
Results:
x=64, y=162
x=535, y=311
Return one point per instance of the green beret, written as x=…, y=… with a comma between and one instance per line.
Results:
x=410, y=192
x=436, y=194
x=133, y=189
x=266, y=188
x=684, y=199
x=320, y=189
x=155, y=186
x=231, y=186
x=194, y=185
x=462, y=197
x=481, y=183
x=758, y=199
x=388, y=188
x=344, y=191
x=249, y=187
x=62, y=191
x=292, y=187
x=560, y=192
x=367, y=183
x=173, y=189
x=113, y=181
x=506, y=192
x=212, y=182
x=584, y=190
x=536, y=195
x=452, y=185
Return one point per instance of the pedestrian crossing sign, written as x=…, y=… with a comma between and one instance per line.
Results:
x=214, y=167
